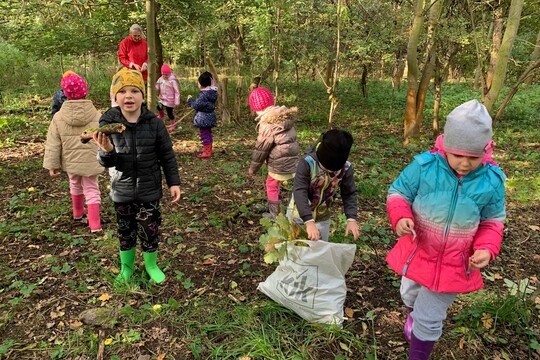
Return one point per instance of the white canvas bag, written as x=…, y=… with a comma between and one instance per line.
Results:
x=311, y=280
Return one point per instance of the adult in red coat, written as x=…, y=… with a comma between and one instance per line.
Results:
x=133, y=51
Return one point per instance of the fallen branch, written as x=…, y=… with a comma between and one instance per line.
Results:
x=110, y=129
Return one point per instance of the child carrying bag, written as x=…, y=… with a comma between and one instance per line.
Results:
x=310, y=280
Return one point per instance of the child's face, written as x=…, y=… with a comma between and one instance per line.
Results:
x=166, y=76
x=130, y=99
x=463, y=165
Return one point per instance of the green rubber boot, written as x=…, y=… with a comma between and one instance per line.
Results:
x=127, y=260
x=152, y=269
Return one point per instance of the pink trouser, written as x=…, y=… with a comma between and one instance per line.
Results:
x=272, y=188
x=86, y=185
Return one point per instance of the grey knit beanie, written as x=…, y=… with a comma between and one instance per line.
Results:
x=468, y=129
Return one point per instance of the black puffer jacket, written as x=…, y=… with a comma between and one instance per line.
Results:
x=138, y=154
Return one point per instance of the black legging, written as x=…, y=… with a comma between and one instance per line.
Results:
x=138, y=220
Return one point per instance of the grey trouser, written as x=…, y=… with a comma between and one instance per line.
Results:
x=429, y=309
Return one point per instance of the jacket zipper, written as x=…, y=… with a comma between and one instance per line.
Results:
x=134, y=139
x=446, y=231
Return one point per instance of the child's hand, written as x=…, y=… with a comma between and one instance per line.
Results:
x=250, y=172
x=189, y=97
x=353, y=228
x=479, y=259
x=175, y=193
x=103, y=141
x=404, y=226
x=54, y=172
x=312, y=231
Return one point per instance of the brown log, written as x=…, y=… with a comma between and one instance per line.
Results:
x=110, y=129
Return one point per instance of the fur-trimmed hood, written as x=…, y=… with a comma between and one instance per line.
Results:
x=280, y=116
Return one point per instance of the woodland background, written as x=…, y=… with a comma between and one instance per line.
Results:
x=388, y=71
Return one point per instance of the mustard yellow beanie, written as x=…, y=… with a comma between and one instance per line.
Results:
x=127, y=77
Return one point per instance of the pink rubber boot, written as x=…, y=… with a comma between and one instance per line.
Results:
x=77, y=202
x=94, y=219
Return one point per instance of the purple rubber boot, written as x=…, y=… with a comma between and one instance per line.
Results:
x=420, y=349
x=407, y=329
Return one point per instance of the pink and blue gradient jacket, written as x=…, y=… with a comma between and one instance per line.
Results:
x=453, y=217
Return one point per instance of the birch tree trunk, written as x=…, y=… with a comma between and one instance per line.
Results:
x=152, y=63
x=499, y=72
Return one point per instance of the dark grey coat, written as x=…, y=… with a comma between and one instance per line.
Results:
x=139, y=154
x=276, y=142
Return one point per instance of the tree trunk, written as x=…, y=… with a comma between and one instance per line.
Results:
x=437, y=97
x=399, y=68
x=335, y=74
x=239, y=97
x=224, y=99
x=276, y=47
x=364, y=80
x=411, y=127
x=497, y=27
x=499, y=73
x=535, y=55
x=527, y=74
x=427, y=73
x=152, y=64
x=159, y=47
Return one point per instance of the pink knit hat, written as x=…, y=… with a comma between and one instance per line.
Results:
x=74, y=86
x=165, y=69
x=260, y=98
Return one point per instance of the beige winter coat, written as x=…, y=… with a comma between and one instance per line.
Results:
x=64, y=149
x=276, y=143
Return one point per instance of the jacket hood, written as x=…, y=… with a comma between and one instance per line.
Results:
x=210, y=94
x=279, y=115
x=78, y=113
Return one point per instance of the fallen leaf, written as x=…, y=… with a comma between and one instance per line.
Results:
x=462, y=342
x=497, y=276
x=161, y=356
x=55, y=314
x=50, y=325
x=64, y=253
x=104, y=297
x=349, y=312
x=534, y=227
x=209, y=261
x=76, y=324
x=487, y=320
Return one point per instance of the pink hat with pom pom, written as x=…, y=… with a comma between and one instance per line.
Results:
x=166, y=69
x=260, y=98
x=74, y=86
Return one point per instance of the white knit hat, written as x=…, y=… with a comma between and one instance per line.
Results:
x=468, y=129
